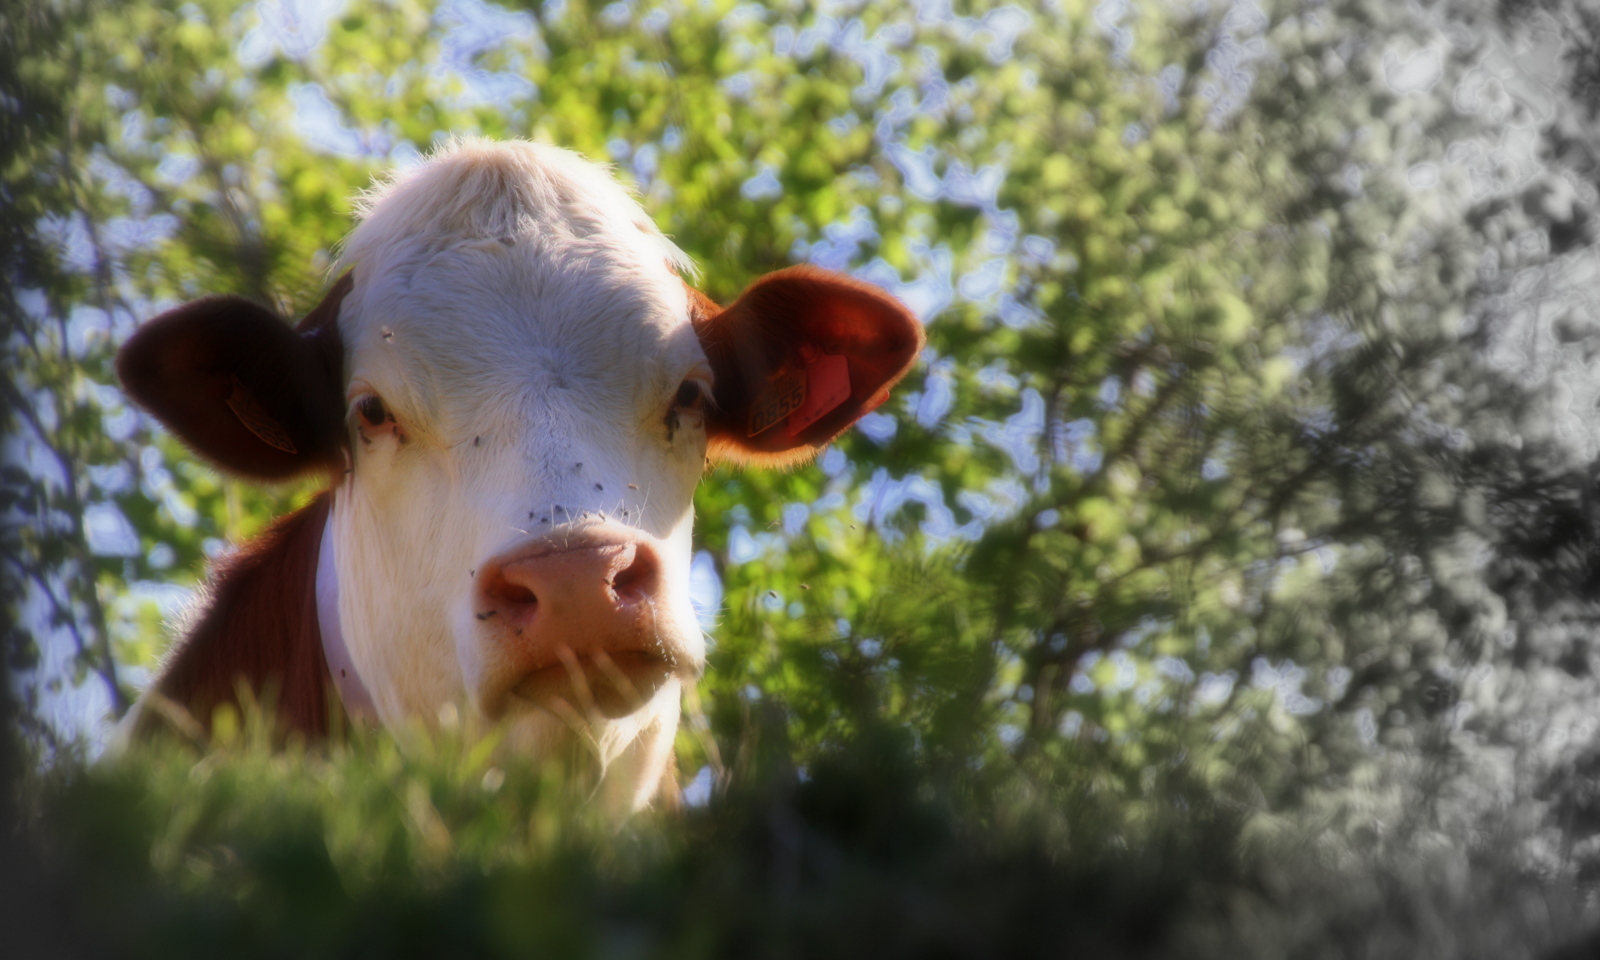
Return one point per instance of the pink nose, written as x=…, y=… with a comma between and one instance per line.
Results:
x=573, y=617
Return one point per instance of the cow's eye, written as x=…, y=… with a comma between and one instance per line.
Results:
x=690, y=395
x=373, y=411
x=689, y=402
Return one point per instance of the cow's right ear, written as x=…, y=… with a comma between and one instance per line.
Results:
x=241, y=387
x=799, y=357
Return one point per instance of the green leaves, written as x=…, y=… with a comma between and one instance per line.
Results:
x=1205, y=391
x=1216, y=491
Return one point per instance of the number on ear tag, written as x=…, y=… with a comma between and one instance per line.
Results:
x=784, y=393
x=827, y=386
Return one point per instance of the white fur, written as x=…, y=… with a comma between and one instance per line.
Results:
x=519, y=314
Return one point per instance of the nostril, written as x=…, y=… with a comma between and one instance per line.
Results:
x=637, y=579
x=513, y=593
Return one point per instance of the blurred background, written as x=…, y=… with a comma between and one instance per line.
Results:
x=1239, y=523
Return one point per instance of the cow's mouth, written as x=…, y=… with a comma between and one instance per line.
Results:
x=609, y=684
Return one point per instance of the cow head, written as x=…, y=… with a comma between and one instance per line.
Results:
x=514, y=393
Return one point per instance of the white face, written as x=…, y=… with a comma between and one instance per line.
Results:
x=522, y=387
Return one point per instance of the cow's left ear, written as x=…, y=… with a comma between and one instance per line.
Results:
x=799, y=357
x=241, y=387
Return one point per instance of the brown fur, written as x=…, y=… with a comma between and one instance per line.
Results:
x=259, y=631
x=241, y=387
x=258, y=398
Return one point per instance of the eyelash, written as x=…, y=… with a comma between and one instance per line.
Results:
x=691, y=396
x=375, y=420
x=373, y=411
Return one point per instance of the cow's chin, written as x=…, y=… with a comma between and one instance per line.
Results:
x=606, y=685
x=625, y=755
x=581, y=688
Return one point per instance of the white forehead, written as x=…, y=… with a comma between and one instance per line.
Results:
x=475, y=189
x=496, y=259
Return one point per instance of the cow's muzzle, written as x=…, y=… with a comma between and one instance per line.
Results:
x=579, y=621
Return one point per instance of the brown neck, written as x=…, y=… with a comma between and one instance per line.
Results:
x=260, y=631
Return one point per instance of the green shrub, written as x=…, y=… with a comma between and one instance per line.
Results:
x=362, y=848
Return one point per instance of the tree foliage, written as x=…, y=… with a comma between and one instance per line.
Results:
x=1229, y=480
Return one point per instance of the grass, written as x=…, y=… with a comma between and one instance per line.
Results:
x=435, y=849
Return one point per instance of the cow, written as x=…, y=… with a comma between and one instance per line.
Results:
x=510, y=392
